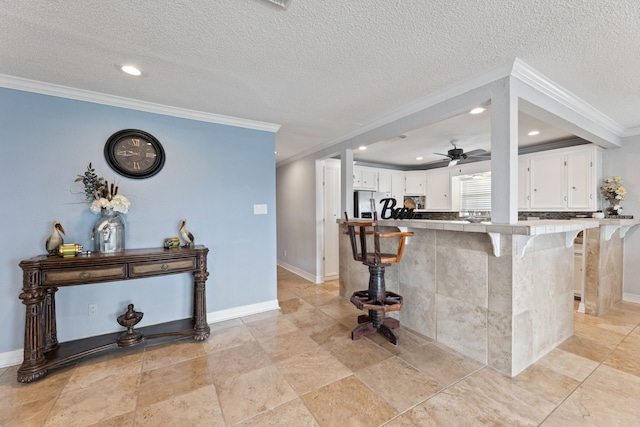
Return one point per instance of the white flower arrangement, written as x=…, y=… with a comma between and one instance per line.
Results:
x=102, y=195
x=612, y=190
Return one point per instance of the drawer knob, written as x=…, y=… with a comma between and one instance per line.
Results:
x=164, y=267
x=84, y=275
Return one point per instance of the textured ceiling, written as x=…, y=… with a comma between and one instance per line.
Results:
x=321, y=69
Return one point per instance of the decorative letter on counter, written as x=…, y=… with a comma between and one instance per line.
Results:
x=388, y=211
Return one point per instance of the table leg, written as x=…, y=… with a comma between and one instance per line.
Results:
x=50, y=328
x=201, y=327
x=32, y=297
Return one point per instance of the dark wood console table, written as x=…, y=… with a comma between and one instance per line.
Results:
x=43, y=275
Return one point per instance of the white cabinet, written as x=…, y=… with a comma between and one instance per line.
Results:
x=438, y=190
x=546, y=174
x=384, y=181
x=565, y=179
x=365, y=179
x=397, y=188
x=579, y=189
x=415, y=183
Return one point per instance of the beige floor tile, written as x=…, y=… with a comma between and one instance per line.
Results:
x=95, y=369
x=295, y=305
x=563, y=418
x=252, y=393
x=625, y=357
x=569, y=364
x=228, y=338
x=28, y=414
x=624, y=312
x=400, y=384
x=400, y=421
x=599, y=333
x=237, y=360
x=312, y=370
x=198, y=407
x=407, y=341
x=101, y=400
x=547, y=383
x=606, y=398
x=260, y=316
x=356, y=355
x=269, y=327
x=290, y=414
x=172, y=352
x=179, y=378
x=502, y=397
x=441, y=365
x=124, y=420
x=324, y=329
x=218, y=326
x=587, y=348
x=13, y=393
x=584, y=320
x=445, y=410
x=286, y=345
x=331, y=286
x=285, y=295
x=319, y=299
x=348, y=402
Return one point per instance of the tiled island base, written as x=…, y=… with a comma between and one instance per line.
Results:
x=504, y=311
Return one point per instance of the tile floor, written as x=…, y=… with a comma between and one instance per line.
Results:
x=298, y=367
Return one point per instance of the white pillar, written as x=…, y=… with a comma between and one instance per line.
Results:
x=346, y=182
x=504, y=153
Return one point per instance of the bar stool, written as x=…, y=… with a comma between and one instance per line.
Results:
x=377, y=300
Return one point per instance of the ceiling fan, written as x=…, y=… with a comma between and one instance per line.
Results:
x=456, y=154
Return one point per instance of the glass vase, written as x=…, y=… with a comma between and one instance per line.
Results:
x=108, y=232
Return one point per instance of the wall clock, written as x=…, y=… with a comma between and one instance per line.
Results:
x=134, y=153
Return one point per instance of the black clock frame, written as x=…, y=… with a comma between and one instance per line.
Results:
x=110, y=156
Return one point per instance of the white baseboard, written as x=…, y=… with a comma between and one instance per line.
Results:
x=301, y=273
x=245, y=310
x=11, y=358
x=631, y=298
x=14, y=357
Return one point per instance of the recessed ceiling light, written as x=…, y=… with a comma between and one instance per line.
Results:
x=362, y=148
x=418, y=158
x=131, y=70
x=478, y=110
x=534, y=133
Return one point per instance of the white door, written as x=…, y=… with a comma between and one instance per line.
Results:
x=548, y=188
x=331, y=197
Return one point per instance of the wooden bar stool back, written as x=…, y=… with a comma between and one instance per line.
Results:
x=365, y=244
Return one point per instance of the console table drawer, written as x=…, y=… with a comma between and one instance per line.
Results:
x=153, y=268
x=84, y=275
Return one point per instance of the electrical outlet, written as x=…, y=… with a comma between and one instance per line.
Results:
x=93, y=309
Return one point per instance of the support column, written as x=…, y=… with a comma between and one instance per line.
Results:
x=346, y=182
x=504, y=153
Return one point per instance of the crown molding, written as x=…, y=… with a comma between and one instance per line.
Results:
x=528, y=75
x=18, y=83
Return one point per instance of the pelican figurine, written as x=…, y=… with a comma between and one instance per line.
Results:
x=186, y=234
x=55, y=240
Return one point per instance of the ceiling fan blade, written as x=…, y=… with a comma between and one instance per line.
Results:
x=441, y=154
x=475, y=153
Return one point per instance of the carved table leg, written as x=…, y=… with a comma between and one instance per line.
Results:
x=32, y=297
x=201, y=327
x=50, y=329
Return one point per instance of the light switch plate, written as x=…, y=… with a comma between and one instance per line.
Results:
x=259, y=209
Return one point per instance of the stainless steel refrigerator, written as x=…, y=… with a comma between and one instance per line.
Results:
x=366, y=202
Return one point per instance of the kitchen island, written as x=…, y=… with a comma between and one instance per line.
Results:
x=501, y=294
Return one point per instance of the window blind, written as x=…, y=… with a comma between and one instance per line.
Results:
x=475, y=193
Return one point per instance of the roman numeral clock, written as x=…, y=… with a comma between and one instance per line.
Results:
x=134, y=153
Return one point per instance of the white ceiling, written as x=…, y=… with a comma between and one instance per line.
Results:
x=324, y=69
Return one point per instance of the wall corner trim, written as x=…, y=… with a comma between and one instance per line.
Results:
x=43, y=88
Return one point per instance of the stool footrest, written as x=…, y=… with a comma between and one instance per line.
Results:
x=391, y=302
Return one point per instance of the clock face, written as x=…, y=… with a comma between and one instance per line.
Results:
x=134, y=153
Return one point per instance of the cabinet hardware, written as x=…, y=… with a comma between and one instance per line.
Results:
x=84, y=275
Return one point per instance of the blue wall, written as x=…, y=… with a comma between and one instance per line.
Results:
x=213, y=176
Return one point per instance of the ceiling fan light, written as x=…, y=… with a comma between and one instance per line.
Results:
x=453, y=162
x=282, y=3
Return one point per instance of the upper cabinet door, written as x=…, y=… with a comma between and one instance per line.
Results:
x=547, y=179
x=438, y=190
x=415, y=183
x=384, y=181
x=579, y=178
x=365, y=179
x=523, y=183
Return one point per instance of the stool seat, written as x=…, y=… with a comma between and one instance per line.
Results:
x=376, y=300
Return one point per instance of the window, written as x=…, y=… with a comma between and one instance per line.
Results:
x=475, y=192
